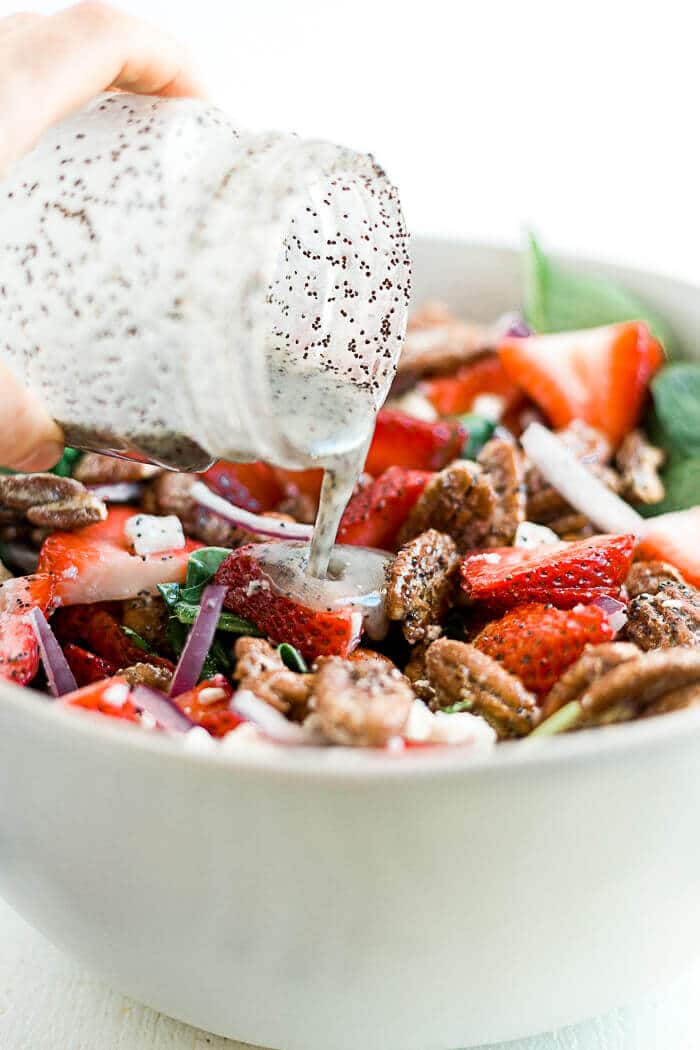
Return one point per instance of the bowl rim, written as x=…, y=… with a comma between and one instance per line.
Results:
x=340, y=764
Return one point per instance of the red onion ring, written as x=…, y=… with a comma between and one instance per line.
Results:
x=192, y=657
x=165, y=711
x=118, y=491
x=268, y=720
x=58, y=673
x=257, y=523
x=615, y=610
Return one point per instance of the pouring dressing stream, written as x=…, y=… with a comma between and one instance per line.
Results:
x=178, y=291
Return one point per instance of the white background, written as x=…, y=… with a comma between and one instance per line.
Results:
x=579, y=118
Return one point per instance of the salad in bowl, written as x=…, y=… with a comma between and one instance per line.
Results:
x=530, y=510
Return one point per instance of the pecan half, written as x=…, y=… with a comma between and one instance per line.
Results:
x=169, y=493
x=261, y=670
x=505, y=469
x=95, y=469
x=459, y=501
x=49, y=501
x=668, y=618
x=421, y=582
x=436, y=341
x=361, y=704
x=675, y=700
x=646, y=577
x=595, y=662
x=148, y=674
x=461, y=674
x=635, y=685
x=638, y=463
x=147, y=615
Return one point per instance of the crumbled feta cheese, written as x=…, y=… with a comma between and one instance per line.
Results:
x=246, y=737
x=414, y=404
x=151, y=534
x=461, y=728
x=490, y=406
x=197, y=739
x=116, y=695
x=492, y=558
x=211, y=694
x=528, y=534
x=255, y=586
x=420, y=722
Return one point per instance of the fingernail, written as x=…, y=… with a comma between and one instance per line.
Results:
x=41, y=458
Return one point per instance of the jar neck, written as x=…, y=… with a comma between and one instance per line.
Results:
x=301, y=273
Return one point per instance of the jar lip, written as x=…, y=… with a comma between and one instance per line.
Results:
x=247, y=224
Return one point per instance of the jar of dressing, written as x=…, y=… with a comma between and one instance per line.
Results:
x=177, y=291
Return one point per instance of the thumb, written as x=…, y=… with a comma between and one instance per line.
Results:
x=29, y=438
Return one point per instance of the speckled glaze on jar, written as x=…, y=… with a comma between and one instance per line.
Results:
x=169, y=286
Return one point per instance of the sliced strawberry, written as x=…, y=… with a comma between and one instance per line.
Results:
x=314, y=632
x=600, y=375
x=538, y=642
x=456, y=393
x=375, y=513
x=404, y=441
x=95, y=563
x=87, y=668
x=563, y=574
x=109, y=697
x=96, y=629
x=19, y=652
x=212, y=714
x=675, y=538
x=253, y=486
x=308, y=482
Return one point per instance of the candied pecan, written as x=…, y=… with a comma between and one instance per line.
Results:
x=668, y=618
x=415, y=670
x=169, y=493
x=459, y=501
x=361, y=704
x=572, y=527
x=675, y=700
x=461, y=674
x=50, y=501
x=505, y=469
x=436, y=341
x=638, y=463
x=361, y=653
x=148, y=674
x=299, y=506
x=634, y=686
x=595, y=661
x=261, y=670
x=95, y=469
x=147, y=616
x=421, y=582
x=646, y=577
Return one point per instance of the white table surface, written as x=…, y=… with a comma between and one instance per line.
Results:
x=48, y=1002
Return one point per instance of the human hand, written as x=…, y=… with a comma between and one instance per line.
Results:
x=51, y=65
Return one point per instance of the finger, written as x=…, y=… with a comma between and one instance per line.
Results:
x=29, y=438
x=11, y=23
x=58, y=63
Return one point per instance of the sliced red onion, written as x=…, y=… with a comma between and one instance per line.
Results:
x=273, y=724
x=572, y=480
x=616, y=611
x=189, y=666
x=511, y=326
x=263, y=526
x=118, y=492
x=165, y=711
x=58, y=673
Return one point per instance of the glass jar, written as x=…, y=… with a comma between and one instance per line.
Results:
x=178, y=291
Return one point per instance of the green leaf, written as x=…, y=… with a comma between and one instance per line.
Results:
x=560, y=722
x=64, y=467
x=138, y=641
x=170, y=593
x=557, y=300
x=479, y=431
x=681, y=480
x=461, y=705
x=186, y=612
x=217, y=662
x=292, y=658
x=202, y=564
x=676, y=391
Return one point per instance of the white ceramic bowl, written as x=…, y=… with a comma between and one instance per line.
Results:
x=324, y=901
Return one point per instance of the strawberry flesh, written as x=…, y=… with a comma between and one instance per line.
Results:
x=19, y=650
x=456, y=393
x=87, y=667
x=314, y=632
x=563, y=574
x=375, y=514
x=214, y=716
x=105, y=697
x=401, y=440
x=538, y=642
x=253, y=486
x=96, y=629
x=675, y=538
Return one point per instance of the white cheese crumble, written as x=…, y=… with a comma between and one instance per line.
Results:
x=151, y=534
x=197, y=739
x=528, y=534
x=116, y=695
x=414, y=404
x=490, y=406
x=442, y=728
x=211, y=694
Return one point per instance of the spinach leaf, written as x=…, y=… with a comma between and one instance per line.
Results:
x=676, y=391
x=202, y=564
x=170, y=593
x=218, y=660
x=558, y=300
x=138, y=641
x=292, y=658
x=479, y=431
x=681, y=480
x=186, y=612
